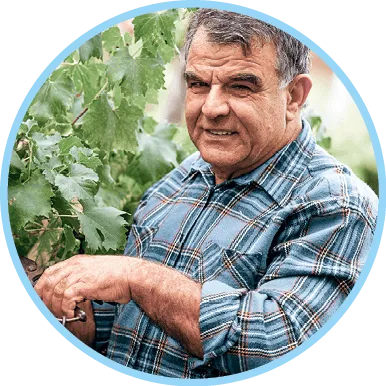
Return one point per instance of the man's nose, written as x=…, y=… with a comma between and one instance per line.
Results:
x=216, y=103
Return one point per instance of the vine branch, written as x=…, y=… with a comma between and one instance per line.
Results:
x=86, y=108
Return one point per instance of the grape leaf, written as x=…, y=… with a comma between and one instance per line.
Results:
x=54, y=98
x=29, y=200
x=86, y=79
x=27, y=126
x=91, y=48
x=86, y=157
x=60, y=124
x=66, y=144
x=112, y=39
x=70, y=242
x=80, y=183
x=47, y=145
x=105, y=175
x=157, y=33
x=16, y=162
x=47, y=242
x=128, y=39
x=148, y=124
x=49, y=167
x=117, y=95
x=152, y=24
x=135, y=76
x=150, y=164
x=103, y=227
x=63, y=207
x=111, y=129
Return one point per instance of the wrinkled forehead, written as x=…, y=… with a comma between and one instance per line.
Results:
x=206, y=55
x=204, y=47
x=246, y=43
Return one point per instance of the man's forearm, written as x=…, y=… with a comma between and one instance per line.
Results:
x=170, y=299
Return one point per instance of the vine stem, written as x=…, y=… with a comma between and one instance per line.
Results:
x=43, y=229
x=30, y=158
x=86, y=108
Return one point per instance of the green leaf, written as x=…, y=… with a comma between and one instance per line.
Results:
x=54, y=98
x=47, y=145
x=166, y=131
x=63, y=207
x=157, y=33
x=135, y=76
x=325, y=142
x=47, y=241
x=28, y=126
x=70, y=58
x=80, y=183
x=69, y=241
x=92, y=48
x=29, y=200
x=117, y=95
x=127, y=38
x=155, y=24
x=66, y=144
x=49, y=167
x=60, y=124
x=151, y=164
x=103, y=227
x=112, y=39
x=16, y=162
x=111, y=129
x=148, y=124
x=86, y=79
x=105, y=175
x=86, y=157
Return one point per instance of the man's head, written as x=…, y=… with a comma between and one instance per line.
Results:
x=247, y=82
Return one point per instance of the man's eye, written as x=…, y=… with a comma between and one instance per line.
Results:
x=241, y=87
x=197, y=84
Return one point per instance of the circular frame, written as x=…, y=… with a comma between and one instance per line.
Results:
x=355, y=94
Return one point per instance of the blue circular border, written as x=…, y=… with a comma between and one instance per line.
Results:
x=187, y=4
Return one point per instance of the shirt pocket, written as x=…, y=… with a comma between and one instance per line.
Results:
x=235, y=268
x=139, y=240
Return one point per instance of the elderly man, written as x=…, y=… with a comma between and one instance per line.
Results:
x=245, y=250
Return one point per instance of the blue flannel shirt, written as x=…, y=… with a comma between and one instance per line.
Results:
x=277, y=251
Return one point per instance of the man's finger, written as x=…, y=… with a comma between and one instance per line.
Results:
x=49, y=281
x=58, y=293
x=73, y=295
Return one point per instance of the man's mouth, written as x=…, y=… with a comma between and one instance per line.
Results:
x=219, y=132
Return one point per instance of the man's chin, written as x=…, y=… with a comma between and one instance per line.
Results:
x=221, y=160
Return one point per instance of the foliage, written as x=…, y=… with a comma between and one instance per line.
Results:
x=86, y=150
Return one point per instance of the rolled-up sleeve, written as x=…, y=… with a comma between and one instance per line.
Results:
x=312, y=268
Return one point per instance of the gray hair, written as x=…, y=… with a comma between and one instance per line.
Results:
x=224, y=27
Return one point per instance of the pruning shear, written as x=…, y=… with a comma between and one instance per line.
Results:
x=33, y=272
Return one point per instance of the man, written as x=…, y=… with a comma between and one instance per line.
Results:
x=245, y=250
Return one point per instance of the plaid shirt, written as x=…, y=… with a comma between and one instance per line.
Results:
x=276, y=250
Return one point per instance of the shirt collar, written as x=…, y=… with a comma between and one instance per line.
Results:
x=277, y=176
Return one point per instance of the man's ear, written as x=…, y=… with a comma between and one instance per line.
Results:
x=297, y=94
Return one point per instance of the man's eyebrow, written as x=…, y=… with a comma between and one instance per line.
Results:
x=188, y=75
x=251, y=78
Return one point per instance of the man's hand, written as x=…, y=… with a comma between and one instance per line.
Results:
x=82, y=277
x=168, y=297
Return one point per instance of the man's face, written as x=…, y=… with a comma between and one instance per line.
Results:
x=235, y=111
